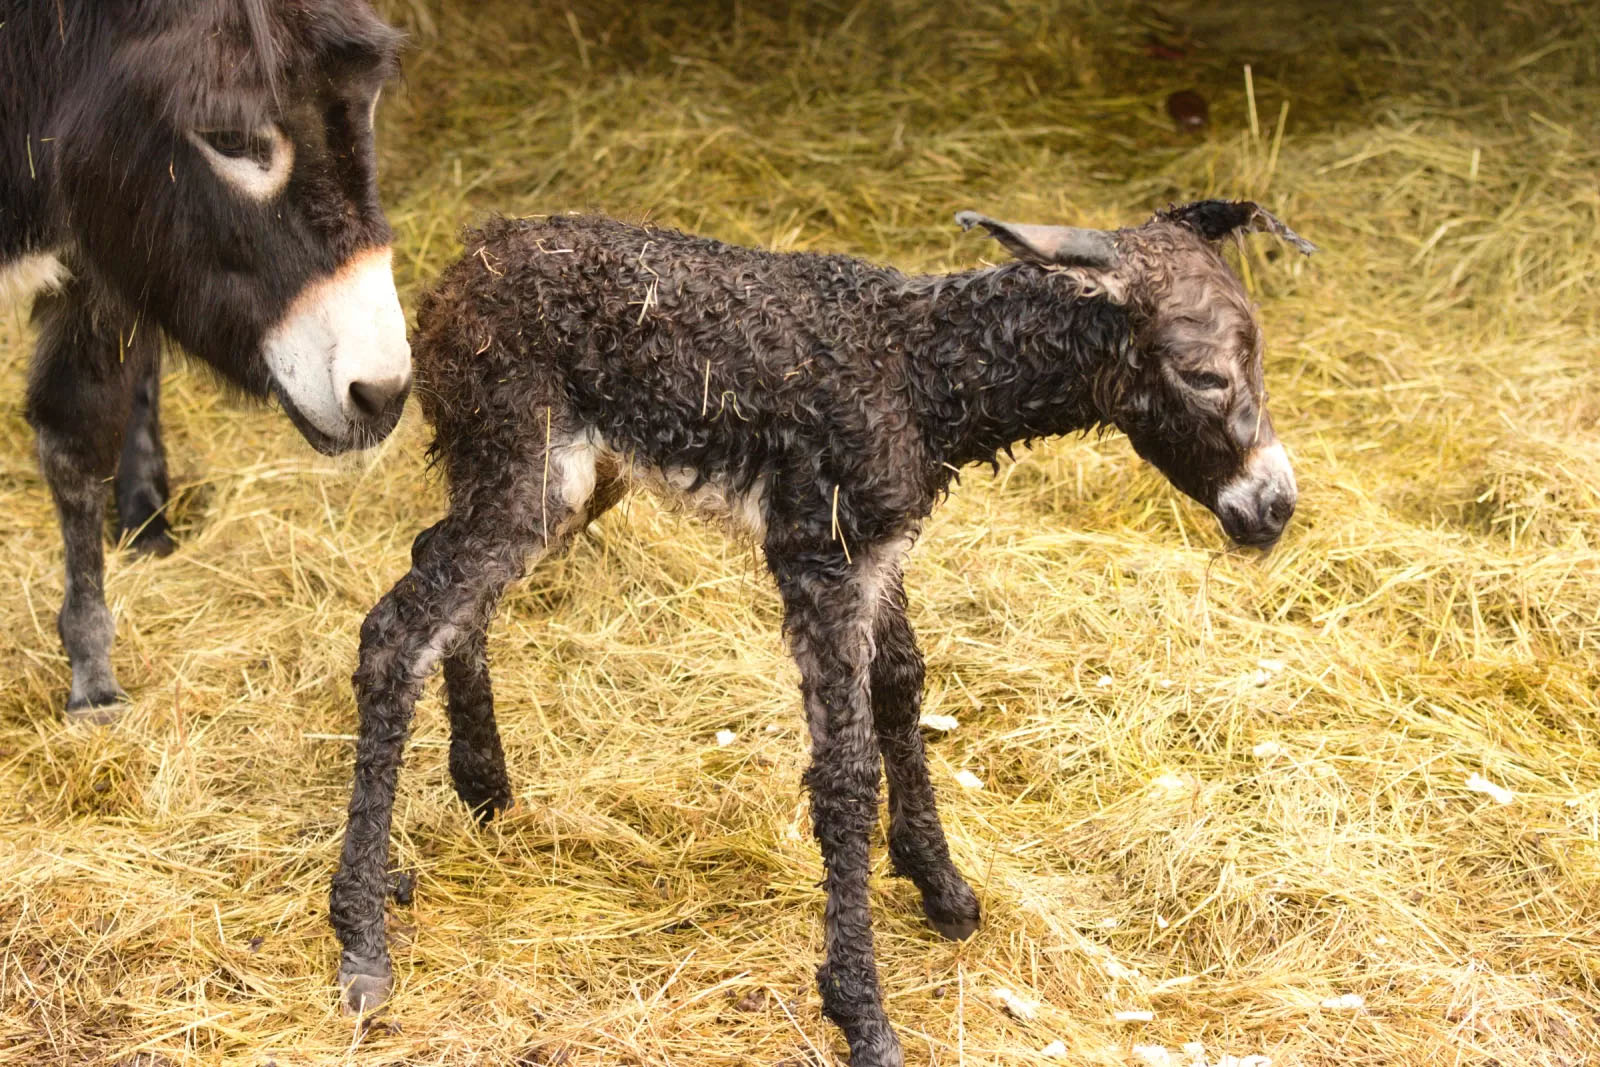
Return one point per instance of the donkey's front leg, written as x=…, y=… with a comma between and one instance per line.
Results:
x=78, y=400
x=916, y=838
x=141, y=483
x=828, y=612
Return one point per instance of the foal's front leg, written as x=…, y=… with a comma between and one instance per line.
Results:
x=828, y=613
x=916, y=838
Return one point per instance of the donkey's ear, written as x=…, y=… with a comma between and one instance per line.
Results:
x=1061, y=246
x=1216, y=219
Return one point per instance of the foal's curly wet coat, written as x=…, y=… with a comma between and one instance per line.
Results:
x=823, y=405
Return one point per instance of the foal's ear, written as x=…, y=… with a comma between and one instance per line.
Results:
x=1061, y=246
x=1216, y=219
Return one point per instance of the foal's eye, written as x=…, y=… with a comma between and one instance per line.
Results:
x=1203, y=380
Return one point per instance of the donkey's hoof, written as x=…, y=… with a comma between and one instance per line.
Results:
x=98, y=709
x=152, y=540
x=363, y=989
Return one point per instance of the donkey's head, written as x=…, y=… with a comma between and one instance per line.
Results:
x=217, y=171
x=1188, y=390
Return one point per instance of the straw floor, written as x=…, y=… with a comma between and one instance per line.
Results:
x=1234, y=793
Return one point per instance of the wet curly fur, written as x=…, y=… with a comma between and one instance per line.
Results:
x=823, y=404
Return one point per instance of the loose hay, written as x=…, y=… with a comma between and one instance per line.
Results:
x=1291, y=861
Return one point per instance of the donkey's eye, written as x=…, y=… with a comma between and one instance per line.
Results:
x=240, y=144
x=256, y=163
x=1203, y=380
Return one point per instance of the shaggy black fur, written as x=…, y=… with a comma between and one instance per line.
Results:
x=108, y=205
x=823, y=403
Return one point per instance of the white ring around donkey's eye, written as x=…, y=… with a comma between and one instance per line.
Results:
x=255, y=163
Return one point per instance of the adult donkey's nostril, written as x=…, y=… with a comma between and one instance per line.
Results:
x=375, y=399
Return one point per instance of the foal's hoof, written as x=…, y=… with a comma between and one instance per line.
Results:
x=98, y=709
x=486, y=801
x=955, y=920
x=957, y=929
x=364, y=990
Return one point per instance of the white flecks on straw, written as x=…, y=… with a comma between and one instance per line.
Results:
x=1155, y=1056
x=935, y=721
x=1272, y=665
x=1194, y=1056
x=1135, y=1016
x=1017, y=1007
x=1172, y=782
x=968, y=779
x=1161, y=923
x=1104, y=681
x=726, y=738
x=1109, y=922
x=1499, y=793
x=1267, y=750
x=1345, y=1002
x=1119, y=970
x=1055, y=1050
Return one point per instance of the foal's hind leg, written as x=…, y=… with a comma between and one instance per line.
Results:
x=141, y=483
x=916, y=839
x=459, y=570
x=477, y=761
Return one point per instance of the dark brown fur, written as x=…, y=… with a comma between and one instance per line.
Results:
x=99, y=178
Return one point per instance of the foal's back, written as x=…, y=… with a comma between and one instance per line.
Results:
x=689, y=361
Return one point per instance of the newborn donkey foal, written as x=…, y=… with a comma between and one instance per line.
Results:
x=823, y=404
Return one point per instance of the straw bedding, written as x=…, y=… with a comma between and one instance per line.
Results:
x=1254, y=798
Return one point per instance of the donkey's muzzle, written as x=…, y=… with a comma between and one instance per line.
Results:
x=1255, y=507
x=339, y=360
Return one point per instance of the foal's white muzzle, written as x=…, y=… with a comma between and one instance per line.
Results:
x=339, y=359
x=1256, y=505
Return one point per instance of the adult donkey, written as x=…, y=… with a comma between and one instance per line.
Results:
x=202, y=169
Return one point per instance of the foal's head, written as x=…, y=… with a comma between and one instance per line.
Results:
x=1188, y=390
x=216, y=170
